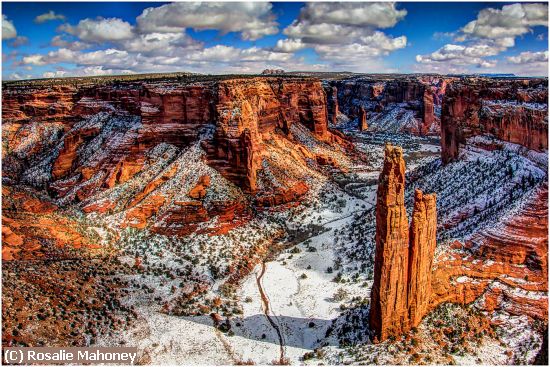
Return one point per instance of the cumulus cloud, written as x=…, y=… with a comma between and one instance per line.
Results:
x=529, y=57
x=289, y=45
x=334, y=23
x=159, y=42
x=59, y=41
x=109, y=58
x=510, y=21
x=85, y=71
x=376, y=15
x=100, y=30
x=344, y=34
x=253, y=20
x=51, y=15
x=375, y=45
x=491, y=33
x=219, y=58
x=8, y=29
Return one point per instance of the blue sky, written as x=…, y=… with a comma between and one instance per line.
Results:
x=63, y=39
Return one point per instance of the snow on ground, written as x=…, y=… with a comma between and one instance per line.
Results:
x=300, y=293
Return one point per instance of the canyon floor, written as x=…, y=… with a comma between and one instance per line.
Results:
x=295, y=304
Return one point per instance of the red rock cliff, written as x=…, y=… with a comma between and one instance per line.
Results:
x=242, y=112
x=513, y=111
x=421, y=252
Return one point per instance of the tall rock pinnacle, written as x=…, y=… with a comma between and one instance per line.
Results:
x=363, y=120
x=422, y=244
x=402, y=271
x=388, y=315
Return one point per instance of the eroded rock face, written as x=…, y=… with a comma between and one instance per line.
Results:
x=242, y=111
x=332, y=104
x=421, y=255
x=401, y=291
x=409, y=101
x=388, y=313
x=511, y=111
x=81, y=143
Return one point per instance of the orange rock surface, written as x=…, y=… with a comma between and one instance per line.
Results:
x=199, y=191
x=421, y=253
x=362, y=120
x=388, y=313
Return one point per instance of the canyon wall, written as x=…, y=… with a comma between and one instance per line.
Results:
x=138, y=150
x=504, y=267
x=241, y=111
x=402, y=97
x=401, y=291
x=513, y=111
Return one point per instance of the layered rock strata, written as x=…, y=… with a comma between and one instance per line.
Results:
x=381, y=96
x=513, y=111
x=242, y=112
x=115, y=148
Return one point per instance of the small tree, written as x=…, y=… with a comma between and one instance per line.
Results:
x=340, y=295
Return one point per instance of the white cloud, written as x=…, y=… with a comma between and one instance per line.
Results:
x=100, y=30
x=34, y=60
x=375, y=15
x=529, y=57
x=109, y=58
x=491, y=33
x=51, y=15
x=345, y=34
x=159, y=42
x=54, y=74
x=510, y=21
x=375, y=45
x=252, y=19
x=218, y=58
x=289, y=45
x=8, y=29
x=59, y=41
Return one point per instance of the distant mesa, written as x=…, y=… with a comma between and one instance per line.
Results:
x=273, y=71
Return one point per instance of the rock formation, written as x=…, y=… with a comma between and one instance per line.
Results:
x=362, y=120
x=79, y=142
x=514, y=111
x=332, y=104
x=428, y=117
x=504, y=268
x=388, y=313
x=401, y=291
x=422, y=245
x=412, y=96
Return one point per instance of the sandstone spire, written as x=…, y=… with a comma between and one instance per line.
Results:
x=388, y=315
x=402, y=270
x=422, y=238
x=363, y=120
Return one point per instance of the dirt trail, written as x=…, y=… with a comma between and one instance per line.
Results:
x=265, y=304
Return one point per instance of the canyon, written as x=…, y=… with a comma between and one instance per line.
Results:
x=265, y=219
